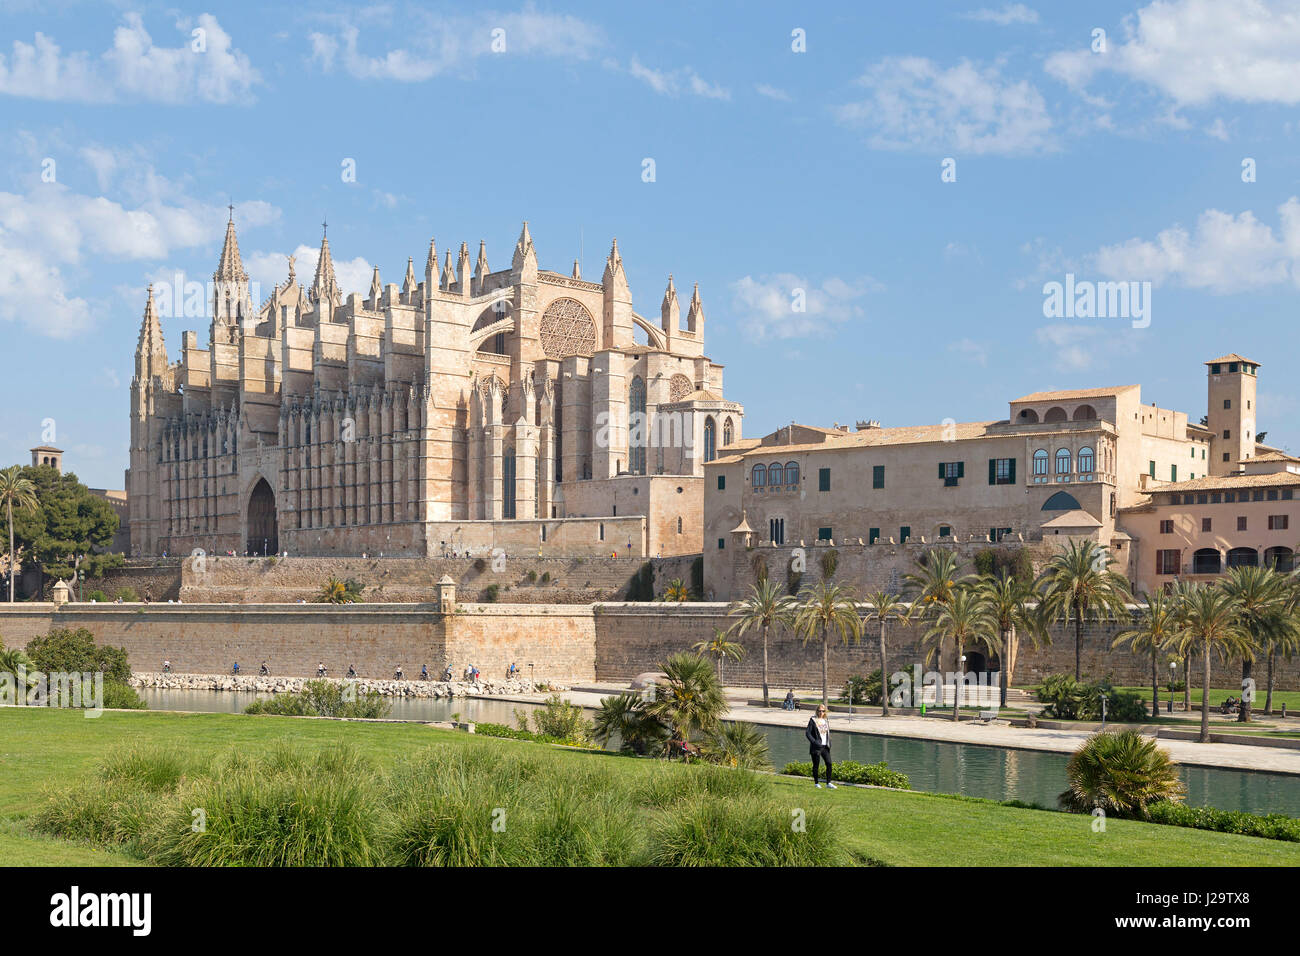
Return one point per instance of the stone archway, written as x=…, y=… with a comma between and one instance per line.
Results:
x=263, y=531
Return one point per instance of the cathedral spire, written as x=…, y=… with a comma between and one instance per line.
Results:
x=325, y=287
x=481, y=266
x=376, y=289
x=431, y=263
x=525, y=257
x=408, y=284
x=230, y=267
x=669, y=311
x=150, y=352
x=695, y=314
x=462, y=269
x=448, y=277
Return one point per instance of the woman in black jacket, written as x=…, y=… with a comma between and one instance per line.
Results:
x=819, y=743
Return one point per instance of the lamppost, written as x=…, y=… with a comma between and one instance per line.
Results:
x=1173, y=680
x=957, y=682
x=530, y=676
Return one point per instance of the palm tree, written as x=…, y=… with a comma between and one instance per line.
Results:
x=1009, y=599
x=689, y=698
x=827, y=608
x=1123, y=774
x=335, y=591
x=11, y=661
x=1077, y=586
x=937, y=574
x=677, y=591
x=967, y=620
x=765, y=608
x=1286, y=643
x=1260, y=596
x=1210, y=624
x=739, y=744
x=625, y=715
x=720, y=648
x=1155, y=628
x=15, y=492
x=884, y=607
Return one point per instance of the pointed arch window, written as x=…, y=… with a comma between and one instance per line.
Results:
x=636, y=426
x=728, y=435
x=710, y=439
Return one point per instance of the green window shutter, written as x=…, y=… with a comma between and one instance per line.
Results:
x=722, y=482
x=1012, y=473
x=943, y=471
x=961, y=469
x=993, y=534
x=904, y=533
x=993, y=471
x=873, y=536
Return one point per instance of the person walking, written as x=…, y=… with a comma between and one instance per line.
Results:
x=819, y=744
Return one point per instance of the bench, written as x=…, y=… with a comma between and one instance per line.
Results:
x=986, y=715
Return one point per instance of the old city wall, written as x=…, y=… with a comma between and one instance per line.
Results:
x=519, y=578
x=565, y=643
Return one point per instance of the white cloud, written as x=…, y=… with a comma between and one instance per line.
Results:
x=433, y=44
x=1009, y=13
x=133, y=68
x=772, y=92
x=914, y=104
x=677, y=82
x=1223, y=253
x=1198, y=51
x=1076, y=348
x=50, y=235
x=767, y=304
x=971, y=350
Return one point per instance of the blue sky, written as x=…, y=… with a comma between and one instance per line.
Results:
x=775, y=170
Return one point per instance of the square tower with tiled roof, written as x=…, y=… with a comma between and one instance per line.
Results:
x=1231, y=411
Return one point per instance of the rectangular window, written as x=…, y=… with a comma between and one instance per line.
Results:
x=1173, y=472
x=1151, y=468
x=1227, y=433
x=776, y=530
x=1167, y=561
x=722, y=482
x=873, y=535
x=944, y=531
x=1227, y=403
x=1002, y=471
x=1257, y=495
x=1272, y=494
x=823, y=479
x=1286, y=494
x=997, y=534
x=1229, y=497
x=1216, y=498
x=950, y=472
x=722, y=544
x=1225, y=456
x=1278, y=522
x=824, y=534
x=1241, y=522
x=1207, y=524
x=904, y=533
x=877, y=476
x=1167, y=526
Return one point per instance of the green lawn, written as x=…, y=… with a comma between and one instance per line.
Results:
x=51, y=748
x=1218, y=694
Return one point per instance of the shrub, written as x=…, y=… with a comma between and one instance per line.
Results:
x=862, y=690
x=1014, y=562
x=1269, y=826
x=490, y=593
x=830, y=561
x=546, y=577
x=850, y=771
x=741, y=831
x=738, y=745
x=480, y=564
x=641, y=586
x=323, y=698
x=558, y=719
x=122, y=697
x=1068, y=699
x=127, y=595
x=793, y=582
x=532, y=576
x=1122, y=773
x=98, y=596
x=70, y=650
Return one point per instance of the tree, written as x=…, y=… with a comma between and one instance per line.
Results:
x=1287, y=643
x=1156, y=626
x=625, y=715
x=689, y=699
x=69, y=651
x=884, y=607
x=68, y=521
x=13, y=660
x=967, y=620
x=1078, y=586
x=1210, y=624
x=1122, y=773
x=827, y=608
x=765, y=608
x=1260, y=596
x=1009, y=598
x=937, y=574
x=335, y=591
x=720, y=649
x=18, y=492
x=677, y=591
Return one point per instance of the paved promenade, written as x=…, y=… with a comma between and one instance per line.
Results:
x=1230, y=756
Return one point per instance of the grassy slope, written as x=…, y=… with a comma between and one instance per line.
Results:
x=42, y=748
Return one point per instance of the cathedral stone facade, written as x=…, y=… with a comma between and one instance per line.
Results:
x=471, y=411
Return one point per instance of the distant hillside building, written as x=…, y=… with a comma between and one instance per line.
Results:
x=466, y=410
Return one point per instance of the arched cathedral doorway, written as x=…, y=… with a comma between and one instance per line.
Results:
x=263, y=537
